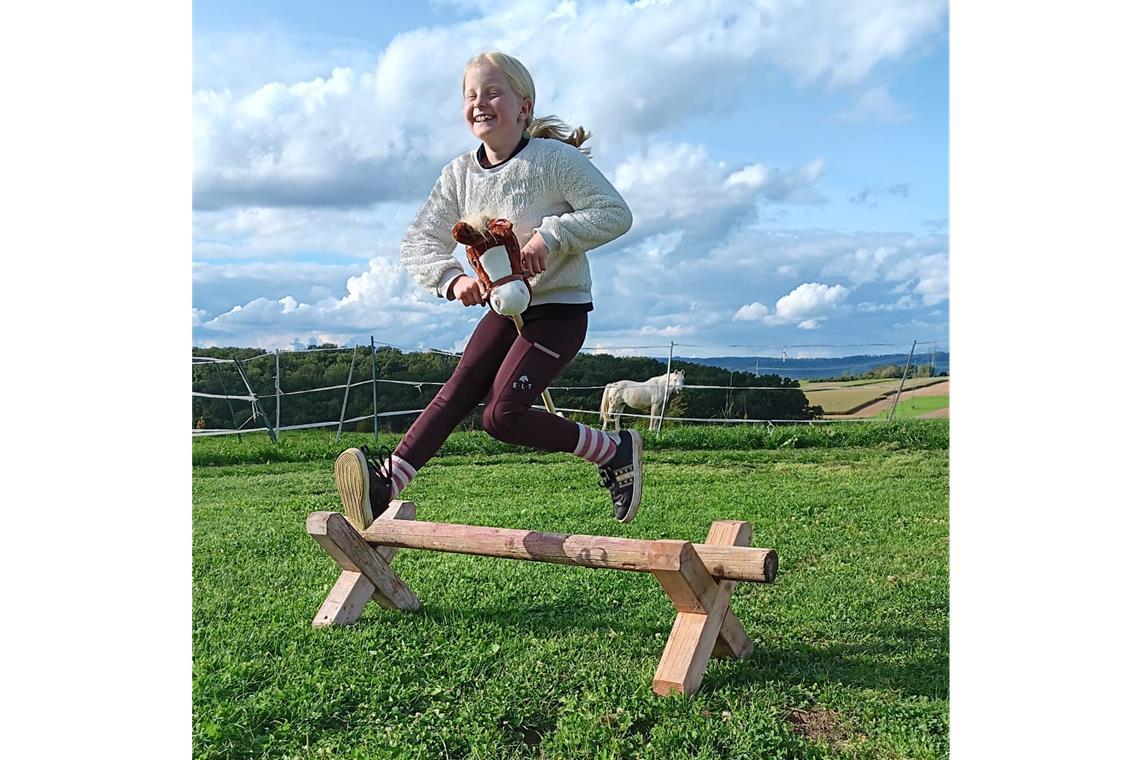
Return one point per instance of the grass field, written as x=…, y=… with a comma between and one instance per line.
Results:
x=848, y=396
x=520, y=659
x=916, y=406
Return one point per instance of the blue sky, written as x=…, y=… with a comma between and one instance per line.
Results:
x=810, y=139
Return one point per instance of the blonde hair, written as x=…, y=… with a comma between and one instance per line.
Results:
x=523, y=86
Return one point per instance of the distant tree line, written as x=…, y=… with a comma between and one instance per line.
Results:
x=885, y=372
x=304, y=370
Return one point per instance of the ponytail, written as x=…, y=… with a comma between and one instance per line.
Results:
x=554, y=128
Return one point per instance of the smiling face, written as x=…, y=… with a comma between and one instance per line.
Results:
x=494, y=113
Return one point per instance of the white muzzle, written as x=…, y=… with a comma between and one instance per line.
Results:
x=510, y=298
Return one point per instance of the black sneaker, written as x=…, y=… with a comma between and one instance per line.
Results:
x=622, y=475
x=364, y=488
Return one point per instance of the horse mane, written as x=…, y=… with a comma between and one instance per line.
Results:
x=478, y=222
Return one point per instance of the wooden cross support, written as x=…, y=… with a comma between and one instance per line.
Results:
x=704, y=625
x=699, y=578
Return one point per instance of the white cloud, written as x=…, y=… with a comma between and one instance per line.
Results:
x=751, y=312
x=843, y=41
x=706, y=291
x=381, y=301
x=217, y=287
x=863, y=265
x=926, y=275
x=875, y=105
x=326, y=142
x=384, y=282
x=260, y=233
x=909, y=264
x=807, y=304
x=669, y=331
x=671, y=185
x=905, y=303
x=244, y=61
x=349, y=135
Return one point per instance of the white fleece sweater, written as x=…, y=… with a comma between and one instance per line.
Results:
x=549, y=188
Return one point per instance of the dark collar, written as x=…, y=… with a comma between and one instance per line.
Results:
x=481, y=154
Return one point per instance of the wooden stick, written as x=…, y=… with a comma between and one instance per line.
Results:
x=549, y=402
x=740, y=563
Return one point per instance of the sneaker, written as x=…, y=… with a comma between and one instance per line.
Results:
x=364, y=488
x=622, y=475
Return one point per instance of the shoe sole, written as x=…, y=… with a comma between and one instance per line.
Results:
x=351, y=472
x=635, y=502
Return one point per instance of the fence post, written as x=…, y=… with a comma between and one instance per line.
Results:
x=226, y=393
x=256, y=406
x=375, y=418
x=665, y=403
x=277, y=389
x=898, y=393
x=347, y=388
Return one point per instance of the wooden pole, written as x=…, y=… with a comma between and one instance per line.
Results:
x=546, y=399
x=665, y=403
x=739, y=563
x=257, y=412
x=898, y=393
x=347, y=388
x=277, y=388
x=375, y=416
x=226, y=394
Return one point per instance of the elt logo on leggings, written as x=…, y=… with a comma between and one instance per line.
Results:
x=522, y=384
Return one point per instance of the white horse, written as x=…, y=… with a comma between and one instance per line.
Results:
x=646, y=396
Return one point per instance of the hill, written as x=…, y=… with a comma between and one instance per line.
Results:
x=835, y=366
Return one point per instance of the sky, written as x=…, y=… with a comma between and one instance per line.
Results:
x=785, y=162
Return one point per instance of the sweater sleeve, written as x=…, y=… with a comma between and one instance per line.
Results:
x=427, y=247
x=599, y=212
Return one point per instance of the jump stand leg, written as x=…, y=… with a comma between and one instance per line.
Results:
x=703, y=612
x=732, y=641
x=365, y=573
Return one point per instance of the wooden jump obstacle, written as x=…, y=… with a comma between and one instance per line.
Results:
x=699, y=578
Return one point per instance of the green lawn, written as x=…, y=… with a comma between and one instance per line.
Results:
x=915, y=406
x=521, y=659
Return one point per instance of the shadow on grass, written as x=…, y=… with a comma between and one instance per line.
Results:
x=890, y=661
x=907, y=659
x=544, y=620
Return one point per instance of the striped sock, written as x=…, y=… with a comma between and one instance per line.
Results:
x=402, y=474
x=594, y=445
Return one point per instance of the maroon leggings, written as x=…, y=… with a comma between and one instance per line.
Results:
x=514, y=369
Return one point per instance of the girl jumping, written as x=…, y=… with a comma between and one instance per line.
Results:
x=533, y=173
